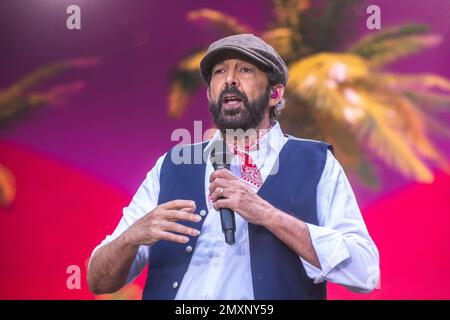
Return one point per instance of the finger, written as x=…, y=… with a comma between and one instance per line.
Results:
x=222, y=203
x=218, y=194
x=222, y=173
x=164, y=235
x=218, y=183
x=178, y=204
x=177, y=227
x=175, y=215
x=228, y=175
x=191, y=209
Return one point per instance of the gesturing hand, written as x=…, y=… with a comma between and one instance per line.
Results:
x=160, y=223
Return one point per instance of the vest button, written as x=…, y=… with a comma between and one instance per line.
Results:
x=188, y=249
x=203, y=213
x=175, y=284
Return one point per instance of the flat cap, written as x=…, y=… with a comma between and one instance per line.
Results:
x=252, y=47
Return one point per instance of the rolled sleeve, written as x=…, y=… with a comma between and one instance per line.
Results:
x=347, y=254
x=330, y=249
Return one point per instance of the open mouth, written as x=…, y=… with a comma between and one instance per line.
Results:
x=231, y=101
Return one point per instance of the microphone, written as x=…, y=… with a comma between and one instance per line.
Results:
x=221, y=159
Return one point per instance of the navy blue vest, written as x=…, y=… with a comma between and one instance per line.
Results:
x=277, y=271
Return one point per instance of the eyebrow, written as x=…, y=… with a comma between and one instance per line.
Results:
x=239, y=63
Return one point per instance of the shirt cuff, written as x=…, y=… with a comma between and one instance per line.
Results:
x=330, y=248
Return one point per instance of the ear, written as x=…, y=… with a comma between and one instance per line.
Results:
x=279, y=88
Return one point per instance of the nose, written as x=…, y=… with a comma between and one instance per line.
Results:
x=231, y=79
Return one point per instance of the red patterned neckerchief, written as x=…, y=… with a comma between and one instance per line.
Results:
x=249, y=171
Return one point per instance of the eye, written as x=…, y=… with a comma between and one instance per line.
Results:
x=246, y=69
x=218, y=70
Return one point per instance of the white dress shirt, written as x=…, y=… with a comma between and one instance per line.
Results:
x=347, y=254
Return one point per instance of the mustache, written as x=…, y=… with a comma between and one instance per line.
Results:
x=235, y=91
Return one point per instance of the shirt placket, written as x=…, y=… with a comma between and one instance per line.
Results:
x=216, y=264
x=216, y=255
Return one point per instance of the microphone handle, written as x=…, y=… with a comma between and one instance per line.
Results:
x=228, y=225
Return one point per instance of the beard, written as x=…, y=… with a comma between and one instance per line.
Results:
x=248, y=116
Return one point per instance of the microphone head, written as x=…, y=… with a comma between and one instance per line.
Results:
x=220, y=155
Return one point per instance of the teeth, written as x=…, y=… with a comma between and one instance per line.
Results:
x=231, y=99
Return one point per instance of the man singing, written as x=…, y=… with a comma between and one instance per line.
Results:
x=297, y=221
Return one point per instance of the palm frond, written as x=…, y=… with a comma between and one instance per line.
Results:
x=56, y=95
x=429, y=101
x=413, y=128
x=44, y=73
x=388, y=33
x=394, y=43
x=436, y=125
x=7, y=187
x=192, y=62
x=340, y=86
x=387, y=144
x=317, y=78
x=435, y=110
x=281, y=40
x=328, y=24
x=287, y=12
x=347, y=146
x=185, y=81
x=226, y=24
x=20, y=96
x=416, y=81
x=284, y=32
x=303, y=119
x=394, y=129
x=386, y=130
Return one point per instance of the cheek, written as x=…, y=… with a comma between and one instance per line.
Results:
x=254, y=88
x=261, y=85
x=253, y=93
x=215, y=90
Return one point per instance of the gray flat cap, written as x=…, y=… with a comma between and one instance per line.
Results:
x=252, y=47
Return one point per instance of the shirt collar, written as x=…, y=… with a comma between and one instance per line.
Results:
x=272, y=140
